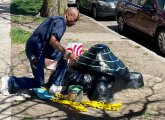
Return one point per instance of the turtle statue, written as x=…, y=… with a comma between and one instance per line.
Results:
x=100, y=73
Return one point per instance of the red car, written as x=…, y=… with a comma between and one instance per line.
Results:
x=147, y=16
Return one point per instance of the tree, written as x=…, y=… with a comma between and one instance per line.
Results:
x=53, y=7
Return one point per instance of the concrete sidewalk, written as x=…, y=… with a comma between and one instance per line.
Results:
x=93, y=37
x=5, y=58
x=5, y=54
x=5, y=41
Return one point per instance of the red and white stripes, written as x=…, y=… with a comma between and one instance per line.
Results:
x=75, y=48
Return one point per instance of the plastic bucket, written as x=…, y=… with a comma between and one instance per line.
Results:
x=75, y=93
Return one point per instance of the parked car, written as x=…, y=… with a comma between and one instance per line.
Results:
x=71, y=2
x=98, y=8
x=147, y=16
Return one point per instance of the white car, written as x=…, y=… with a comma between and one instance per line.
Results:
x=71, y=2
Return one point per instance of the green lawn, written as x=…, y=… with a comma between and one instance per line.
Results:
x=18, y=35
x=25, y=7
x=23, y=12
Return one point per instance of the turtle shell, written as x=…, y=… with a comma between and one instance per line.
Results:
x=100, y=59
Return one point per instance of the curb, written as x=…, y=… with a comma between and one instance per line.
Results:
x=130, y=41
x=113, y=32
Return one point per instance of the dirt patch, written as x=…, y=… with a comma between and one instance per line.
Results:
x=138, y=104
x=84, y=25
x=144, y=103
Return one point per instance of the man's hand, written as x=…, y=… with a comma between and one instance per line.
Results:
x=34, y=61
x=73, y=57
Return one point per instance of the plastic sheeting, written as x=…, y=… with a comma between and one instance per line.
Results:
x=75, y=77
x=96, y=87
x=101, y=89
x=135, y=80
x=97, y=70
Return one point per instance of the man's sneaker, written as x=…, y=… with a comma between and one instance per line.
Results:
x=55, y=89
x=4, y=85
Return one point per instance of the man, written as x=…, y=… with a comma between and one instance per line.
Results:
x=45, y=43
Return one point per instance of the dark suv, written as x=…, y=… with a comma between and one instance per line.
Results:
x=147, y=16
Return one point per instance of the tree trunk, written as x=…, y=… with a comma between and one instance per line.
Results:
x=53, y=7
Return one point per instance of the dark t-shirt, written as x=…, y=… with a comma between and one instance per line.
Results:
x=38, y=43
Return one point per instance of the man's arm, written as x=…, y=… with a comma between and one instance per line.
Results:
x=53, y=42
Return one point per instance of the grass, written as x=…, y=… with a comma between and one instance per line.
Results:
x=23, y=12
x=19, y=35
x=146, y=114
x=145, y=53
x=21, y=19
x=128, y=62
x=25, y=7
x=137, y=46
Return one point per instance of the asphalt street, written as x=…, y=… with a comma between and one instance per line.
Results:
x=133, y=35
